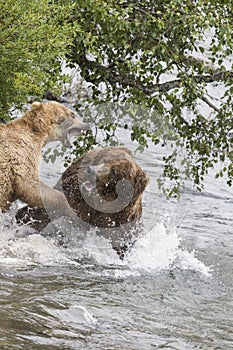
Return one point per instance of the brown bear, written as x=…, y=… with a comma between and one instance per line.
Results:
x=105, y=189
x=21, y=143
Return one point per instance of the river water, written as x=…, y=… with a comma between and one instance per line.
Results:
x=174, y=290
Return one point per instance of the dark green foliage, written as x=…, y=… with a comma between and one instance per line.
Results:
x=163, y=56
x=33, y=38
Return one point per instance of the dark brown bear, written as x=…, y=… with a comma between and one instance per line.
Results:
x=105, y=190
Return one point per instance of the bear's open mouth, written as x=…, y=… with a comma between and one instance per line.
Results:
x=88, y=186
x=72, y=132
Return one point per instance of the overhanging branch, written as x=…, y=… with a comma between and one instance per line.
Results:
x=112, y=75
x=168, y=85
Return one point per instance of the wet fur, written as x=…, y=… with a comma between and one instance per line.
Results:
x=21, y=143
x=118, y=164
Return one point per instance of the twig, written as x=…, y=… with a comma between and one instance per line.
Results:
x=205, y=99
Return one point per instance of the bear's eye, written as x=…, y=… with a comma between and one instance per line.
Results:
x=61, y=120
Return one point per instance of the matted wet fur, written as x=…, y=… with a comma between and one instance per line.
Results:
x=21, y=143
x=90, y=186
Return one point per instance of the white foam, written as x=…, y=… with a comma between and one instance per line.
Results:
x=75, y=314
x=158, y=249
x=30, y=250
x=188, y=261
x=96, y=248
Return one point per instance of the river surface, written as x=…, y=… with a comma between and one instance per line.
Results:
x=174, y=290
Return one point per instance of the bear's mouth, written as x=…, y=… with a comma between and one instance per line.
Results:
x=88, y=186
x=74, y=131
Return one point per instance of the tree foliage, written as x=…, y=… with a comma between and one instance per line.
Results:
x=33, y=38
x=170, y=57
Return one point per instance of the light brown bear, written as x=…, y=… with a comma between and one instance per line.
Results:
x=105, y=189
x=21, y=143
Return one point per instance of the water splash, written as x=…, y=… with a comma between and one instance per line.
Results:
x=156, y=250
x=34, y=249
x=160, y=249
x=188, y=261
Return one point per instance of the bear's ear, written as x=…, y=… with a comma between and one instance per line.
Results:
x=125, y=149
x=35, y=105
x=141, y=181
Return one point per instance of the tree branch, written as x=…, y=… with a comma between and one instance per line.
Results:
x=205, y=99
x=113, y=76
x=169, y=85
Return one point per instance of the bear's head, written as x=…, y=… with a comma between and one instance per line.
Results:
x=56, y=121
x=106, y=176
x=109, y=179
